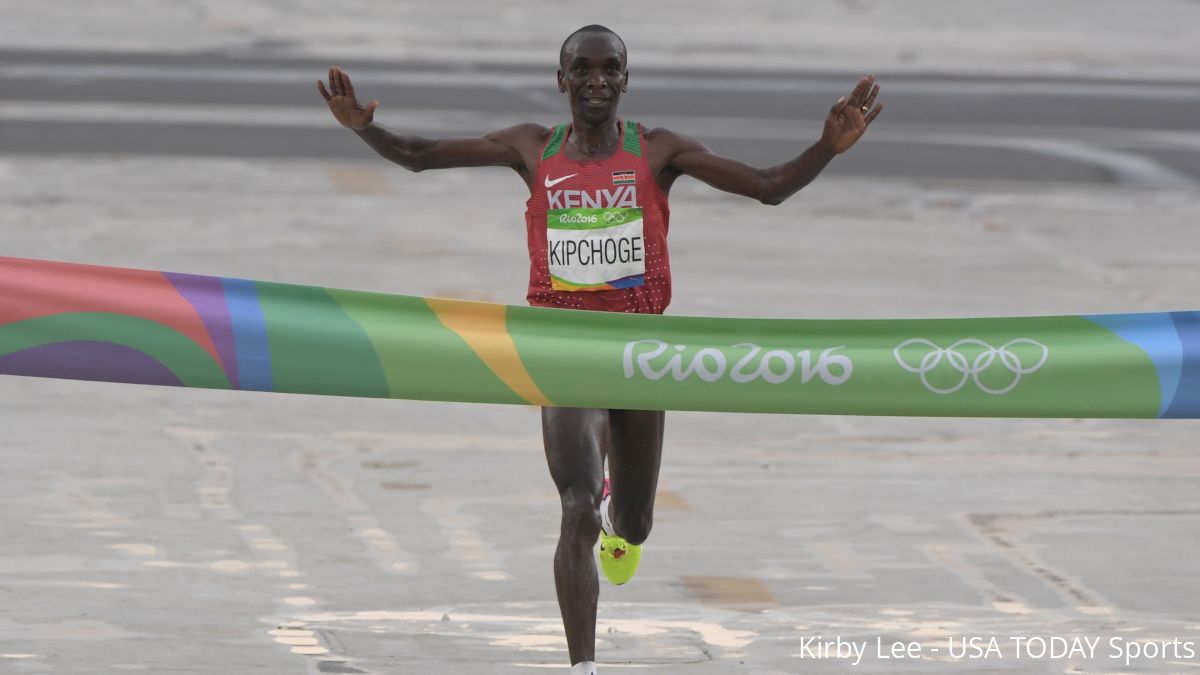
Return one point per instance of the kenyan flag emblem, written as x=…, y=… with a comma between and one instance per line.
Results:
x=628, y=177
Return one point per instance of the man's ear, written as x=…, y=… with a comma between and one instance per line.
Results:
x=562, y=86
x=625, y=82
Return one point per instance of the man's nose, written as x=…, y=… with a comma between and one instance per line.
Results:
x=596, y=79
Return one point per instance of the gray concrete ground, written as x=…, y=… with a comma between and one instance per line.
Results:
x=176, y=531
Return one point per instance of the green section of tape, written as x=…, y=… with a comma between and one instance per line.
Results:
x=176, y=352
x=316, y=348
x=582, y=359
x=420, y=357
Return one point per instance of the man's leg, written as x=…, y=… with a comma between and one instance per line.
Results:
x=575, y=440
x=633, y=461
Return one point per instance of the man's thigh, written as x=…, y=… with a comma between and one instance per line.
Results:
x=634, y=456
x=576, y=440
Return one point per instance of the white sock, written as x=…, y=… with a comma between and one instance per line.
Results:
x=584, y=668
x=605, y=517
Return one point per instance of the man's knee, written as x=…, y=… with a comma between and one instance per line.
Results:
x=634, y=527
x=581, y=512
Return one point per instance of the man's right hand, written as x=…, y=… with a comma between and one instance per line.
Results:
x=343, y=103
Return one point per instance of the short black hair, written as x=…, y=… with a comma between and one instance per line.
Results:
x=593, y=28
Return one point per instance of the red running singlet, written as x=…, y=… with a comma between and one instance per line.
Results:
x=598, y=230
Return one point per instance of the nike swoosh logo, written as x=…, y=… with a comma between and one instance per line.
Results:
x=556, y=181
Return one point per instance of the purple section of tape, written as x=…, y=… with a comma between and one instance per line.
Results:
x=86, y=360
x=207, y=295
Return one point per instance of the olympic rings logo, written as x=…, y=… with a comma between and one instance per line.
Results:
x=972, y=369
x=615, y=217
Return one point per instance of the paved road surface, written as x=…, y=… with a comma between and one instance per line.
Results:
x=946, y=127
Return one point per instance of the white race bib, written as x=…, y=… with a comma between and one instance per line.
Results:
x=595, y=249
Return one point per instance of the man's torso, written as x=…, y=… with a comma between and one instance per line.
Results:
x=597, y=227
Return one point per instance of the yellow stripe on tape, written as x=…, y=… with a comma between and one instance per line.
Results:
x=482, y=326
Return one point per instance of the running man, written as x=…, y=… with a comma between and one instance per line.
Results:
x=596, y=223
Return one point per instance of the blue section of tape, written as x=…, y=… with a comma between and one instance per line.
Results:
x=1186, y=404
x=249, y=335
x=1155, y=334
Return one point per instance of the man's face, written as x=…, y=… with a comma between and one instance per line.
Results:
x=593, y=75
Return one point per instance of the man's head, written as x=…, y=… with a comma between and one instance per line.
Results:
x=592, y=72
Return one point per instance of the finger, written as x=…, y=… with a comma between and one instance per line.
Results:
x=838, y=107
x=339, y=87
x=859, y=92
x=321, y=88
x=868, y=88
x=871, y=97
x=333, y=81
x=874, y=113
x=348, y=85
x=371, y=108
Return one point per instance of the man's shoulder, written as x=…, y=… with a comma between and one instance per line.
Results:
x=528, y=132
x=532, y=129
x=658, y=134
x=664, y=137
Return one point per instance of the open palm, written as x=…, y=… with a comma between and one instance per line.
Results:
x=851, y=115
x=343, y=103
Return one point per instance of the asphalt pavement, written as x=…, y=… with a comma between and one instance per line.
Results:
x=1000, y=128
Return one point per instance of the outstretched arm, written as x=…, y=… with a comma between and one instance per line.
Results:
x=846, y=123
x=500, y=148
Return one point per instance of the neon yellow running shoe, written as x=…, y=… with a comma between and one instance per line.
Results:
x=618, y=558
